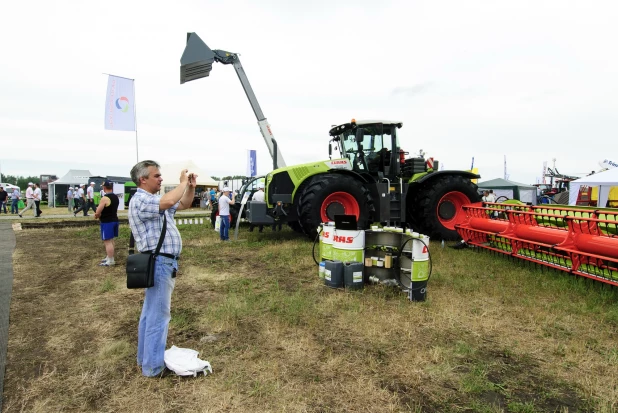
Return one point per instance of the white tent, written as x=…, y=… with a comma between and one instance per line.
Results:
x=171, y=175
x=59, y=188
x=604, y=180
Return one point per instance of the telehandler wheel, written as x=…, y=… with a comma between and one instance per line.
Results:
x=438, y=206
x=296, y=227
x=329, y=195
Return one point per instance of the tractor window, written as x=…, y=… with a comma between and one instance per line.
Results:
x=373, y=152
x=351, y=150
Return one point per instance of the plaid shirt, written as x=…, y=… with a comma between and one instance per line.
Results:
x=146, y=222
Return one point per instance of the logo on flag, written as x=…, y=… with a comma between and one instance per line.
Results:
x=119, y=104
x=124, y=106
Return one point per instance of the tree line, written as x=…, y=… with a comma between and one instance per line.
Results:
x=20, y=181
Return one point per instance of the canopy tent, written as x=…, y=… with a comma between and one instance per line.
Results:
x=511, y=190
x=604, y=180
x=58, y=189
x=171, y=175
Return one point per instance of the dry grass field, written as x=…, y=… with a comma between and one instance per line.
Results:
x=494, y=336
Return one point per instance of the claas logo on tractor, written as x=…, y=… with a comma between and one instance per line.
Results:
x=326, y=234
x=345, y=240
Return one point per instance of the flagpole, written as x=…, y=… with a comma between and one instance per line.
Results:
x=135, y=118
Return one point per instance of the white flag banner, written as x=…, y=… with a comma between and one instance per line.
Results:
x=120, y=104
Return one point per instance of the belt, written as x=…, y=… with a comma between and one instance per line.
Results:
x=163, y=254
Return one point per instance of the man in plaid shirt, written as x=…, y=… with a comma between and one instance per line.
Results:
x=146, y=211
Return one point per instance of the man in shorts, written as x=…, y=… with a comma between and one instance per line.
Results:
x=107, y=213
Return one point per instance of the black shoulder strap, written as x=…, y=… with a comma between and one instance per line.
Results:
x=162, y=234
x=132, y=238
x=131, y=244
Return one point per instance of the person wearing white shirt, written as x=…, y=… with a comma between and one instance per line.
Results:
x=70, y=198
x=29, y=200
x=90, y=198
x=81, y=195
x=224, y=212
x=37, y=200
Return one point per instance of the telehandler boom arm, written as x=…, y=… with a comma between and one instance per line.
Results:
x=196, y=62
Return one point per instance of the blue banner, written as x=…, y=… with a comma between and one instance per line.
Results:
x=251, y=162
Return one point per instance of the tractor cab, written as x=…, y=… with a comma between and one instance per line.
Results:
x=372, y=147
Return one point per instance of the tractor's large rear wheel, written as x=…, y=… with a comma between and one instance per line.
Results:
x=332, y=194
x=437, y=206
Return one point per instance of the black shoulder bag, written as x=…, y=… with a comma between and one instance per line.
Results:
x=141, y=267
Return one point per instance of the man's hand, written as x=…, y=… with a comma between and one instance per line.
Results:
x=184, y=176
x=192, y=180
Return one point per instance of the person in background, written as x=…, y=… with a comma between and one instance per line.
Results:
x=491, y=197
x=224, y=212
x=76, y=198
x=146, y=212
x=90, y=198
x=107, y=214
x=485, y=195
x=70, y=199
x=258, y=196
x=81, y=194
x=3, y=197
x=29, y=200
x=15, y=201
x=37, y=200
x=213, y=197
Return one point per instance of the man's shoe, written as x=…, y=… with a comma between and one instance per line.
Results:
x=86, y=215
x=107, y=264
x=166, y=372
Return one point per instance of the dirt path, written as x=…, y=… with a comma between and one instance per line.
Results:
x=7, y=245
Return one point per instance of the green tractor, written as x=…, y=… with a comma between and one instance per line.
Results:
x=371, y=180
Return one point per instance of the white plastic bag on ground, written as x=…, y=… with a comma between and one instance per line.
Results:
x=184, y=362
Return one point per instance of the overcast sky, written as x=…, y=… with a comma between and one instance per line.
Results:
x=532, y=80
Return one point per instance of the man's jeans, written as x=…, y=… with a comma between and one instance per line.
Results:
x=3, y=206
x=70, y=204
x=224, y=227
x=14, y=203
x=155, y=318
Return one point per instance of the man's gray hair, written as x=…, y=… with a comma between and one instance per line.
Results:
x=140, y=170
